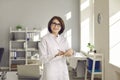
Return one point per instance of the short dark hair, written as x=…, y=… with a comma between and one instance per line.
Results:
x=61, y=23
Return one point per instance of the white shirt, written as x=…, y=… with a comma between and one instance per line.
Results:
x=55, y=68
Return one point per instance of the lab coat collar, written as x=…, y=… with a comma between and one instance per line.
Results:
x=56, y=37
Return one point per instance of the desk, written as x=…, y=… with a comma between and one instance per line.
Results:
x=77, y=62
x=74, y=59
x=12, y=75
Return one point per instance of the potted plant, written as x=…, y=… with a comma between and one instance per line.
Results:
x=18, y=27
x=90, y=46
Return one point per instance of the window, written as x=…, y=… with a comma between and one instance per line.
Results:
x=84, y=35
x=114, y=47
x=86, y=6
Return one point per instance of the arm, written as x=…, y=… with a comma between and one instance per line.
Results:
x=45, y=56
x=69, y=52
x=60, y=53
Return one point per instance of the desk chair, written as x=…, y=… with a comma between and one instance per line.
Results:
x=2, y=76
x=1, y=54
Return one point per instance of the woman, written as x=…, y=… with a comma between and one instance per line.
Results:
x=54, y=49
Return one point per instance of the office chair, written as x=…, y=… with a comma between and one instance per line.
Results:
x=1, y=54
x=3, y=74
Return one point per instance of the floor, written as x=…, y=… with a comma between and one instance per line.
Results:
x=72, y=76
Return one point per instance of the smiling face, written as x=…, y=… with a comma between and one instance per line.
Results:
x=55, y=27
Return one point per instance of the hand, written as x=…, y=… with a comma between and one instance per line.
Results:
x=69, y=52
x=60, y=53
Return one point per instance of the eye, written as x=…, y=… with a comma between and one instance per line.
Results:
x=56, y=24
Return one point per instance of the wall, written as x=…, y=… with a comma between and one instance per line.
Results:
x=114, y=72
x=37, y=13
x=101, y=32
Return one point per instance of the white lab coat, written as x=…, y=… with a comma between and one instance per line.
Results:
x=55, y=68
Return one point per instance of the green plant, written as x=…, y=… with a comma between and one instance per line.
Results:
x=90, y=46
x=18, y=27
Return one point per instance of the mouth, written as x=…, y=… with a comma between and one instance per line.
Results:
x=56, y=29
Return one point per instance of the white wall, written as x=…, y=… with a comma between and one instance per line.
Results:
x=114, y=72
x=101, y=31
x=36, y=13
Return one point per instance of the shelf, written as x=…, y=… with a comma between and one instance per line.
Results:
x=94, y=68
x=33, y=41
x=33, y=31
x=32, y=49
x=95, y=72
x=23, y=44
x=18, y=40
x=17, y=31
x=14, y=69
x=17, y=50
x=33, y=59
x=17, y=59
x=96, y=56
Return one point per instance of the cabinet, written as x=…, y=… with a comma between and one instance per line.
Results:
x=23, y=47
x=95, y=57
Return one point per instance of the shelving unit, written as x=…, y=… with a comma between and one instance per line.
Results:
x=23, y=47
x=95, y=57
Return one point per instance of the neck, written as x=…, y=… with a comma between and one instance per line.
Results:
x=55, y=34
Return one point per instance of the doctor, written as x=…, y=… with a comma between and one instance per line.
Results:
x=54, y=49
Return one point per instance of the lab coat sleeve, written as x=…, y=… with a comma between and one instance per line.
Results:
x=67, y=46
x=68, y=59
x=45, y=57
